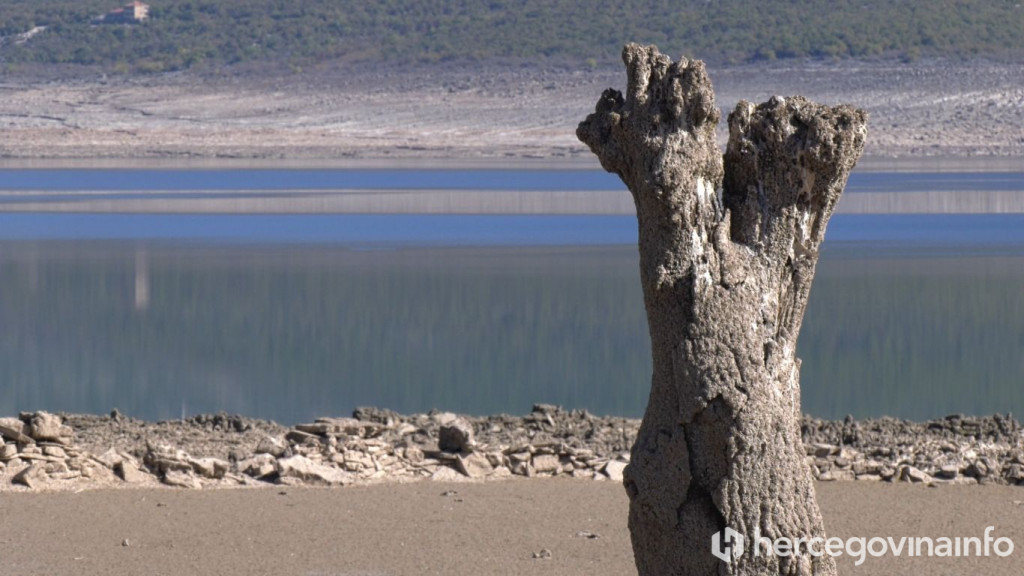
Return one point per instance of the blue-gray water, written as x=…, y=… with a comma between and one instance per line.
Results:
x=292, y=317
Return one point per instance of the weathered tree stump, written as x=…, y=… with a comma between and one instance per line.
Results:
x=725, y=281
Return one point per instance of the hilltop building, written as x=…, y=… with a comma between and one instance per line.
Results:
x=127, y=14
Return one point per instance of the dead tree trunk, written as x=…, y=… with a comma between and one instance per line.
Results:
x=725, y=282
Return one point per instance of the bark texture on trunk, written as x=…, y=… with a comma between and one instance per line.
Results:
x=727, y=254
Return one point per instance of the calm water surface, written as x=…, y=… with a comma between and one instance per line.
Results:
x=292, y=317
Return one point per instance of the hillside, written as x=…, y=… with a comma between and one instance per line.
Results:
x=195, y=33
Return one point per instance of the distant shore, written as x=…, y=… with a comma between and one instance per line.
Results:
x=922, y=112
x=43, y=451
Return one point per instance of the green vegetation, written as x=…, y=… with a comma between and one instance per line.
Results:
x=189, y=33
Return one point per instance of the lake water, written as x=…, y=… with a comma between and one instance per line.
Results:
x=296, y=316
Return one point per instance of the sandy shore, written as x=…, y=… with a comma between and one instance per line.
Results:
x=415, y=529
x=920, y=110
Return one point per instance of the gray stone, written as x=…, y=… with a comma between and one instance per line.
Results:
x=546, y=464
x=300, y=437
x=43, y=426
x=912, y=474
x=163, y=459
x=13, y=429
x=614, y=469
x=273, y=446
x=522, y=469
x=308, y=471
x=1015, y=473
x=8, y=452
x=213, y=468
x=180, y=479
x=443, y=418
x=34, y=476
x=455, y=436
x=110, y=458
x=949, y=471
x=446, y=474
x=54, y=451
x=258, y=466
x=474, y=465
x=823, y=450
x=413, y=454
x=129, y=472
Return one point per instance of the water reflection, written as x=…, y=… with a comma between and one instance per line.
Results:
x=293, y=332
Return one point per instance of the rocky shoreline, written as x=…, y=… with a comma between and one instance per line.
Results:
x=43, y=451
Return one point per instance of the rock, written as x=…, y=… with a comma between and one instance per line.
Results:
x=8, y=452
x=110, y=458
x=128, y=471
x=413, y=454
x=863, y=467
x=978, y=469
x=163, y=459
x=614, y=469
x=212, y=468
x=517, y=457
x=405, y=429
x=446, y=474
x=835, y=475
x=54, y=451
x=300, y=437
x=474, y=465
x=911, y=474
x=43, y=426
x=258, y=466
x=456, y=436
x=587, y=535
x=546, y=464
x=338, y=427
x=381, y=416
x=823, y=450
x=500, y=472
x=443, y=418
x=273, y=446
x=14, y=429
x=308, y=471
x=180, y=479
x=544, y=554
x=34, y=476
x=1015, y=473
x=949, y=471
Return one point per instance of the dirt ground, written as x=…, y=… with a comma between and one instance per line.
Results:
x=436, y=528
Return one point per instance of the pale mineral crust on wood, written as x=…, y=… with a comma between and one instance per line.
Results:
x=727, y=254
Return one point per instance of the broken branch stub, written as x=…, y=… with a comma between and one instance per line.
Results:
x=725, y=281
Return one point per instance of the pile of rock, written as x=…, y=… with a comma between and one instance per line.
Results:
x=374, y=445
x=38, y=447
x=41, y=450
x=954, y=450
